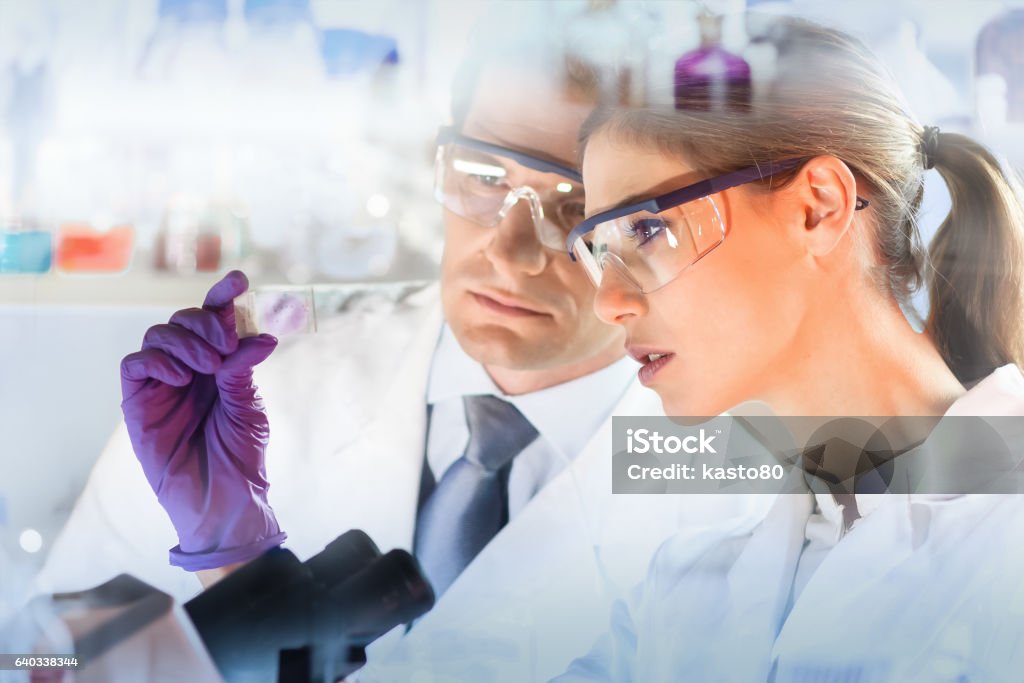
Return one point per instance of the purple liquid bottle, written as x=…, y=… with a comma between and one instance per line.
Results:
x=998, y=52
x=711, y=78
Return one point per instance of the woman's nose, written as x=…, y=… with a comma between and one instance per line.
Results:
x=619, y=299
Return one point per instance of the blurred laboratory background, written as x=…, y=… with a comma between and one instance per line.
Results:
x=148, y=145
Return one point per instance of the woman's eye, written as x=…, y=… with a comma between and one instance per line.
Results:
x=643, y=230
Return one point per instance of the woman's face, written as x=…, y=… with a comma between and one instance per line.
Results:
x=728, y=323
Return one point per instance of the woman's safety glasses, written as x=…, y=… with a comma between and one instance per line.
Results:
x=482, y=182
x=651, y=242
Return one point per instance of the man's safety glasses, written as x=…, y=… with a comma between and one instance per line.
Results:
x=482, y=182
x=651, y=242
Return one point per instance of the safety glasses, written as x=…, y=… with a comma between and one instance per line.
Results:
x=482, y=182
x=653, y=241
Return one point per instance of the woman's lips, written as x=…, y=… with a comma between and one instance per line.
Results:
x=651, y=368
x=651, y=360
x=503, y=305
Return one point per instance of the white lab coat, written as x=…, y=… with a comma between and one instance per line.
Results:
x=347, y=414
x=925, y=588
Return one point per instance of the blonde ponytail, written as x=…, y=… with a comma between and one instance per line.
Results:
x=976, y=278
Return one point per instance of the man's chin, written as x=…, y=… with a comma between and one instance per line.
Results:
x=504, y=347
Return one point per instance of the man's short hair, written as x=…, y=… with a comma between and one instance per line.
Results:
x=525, y=36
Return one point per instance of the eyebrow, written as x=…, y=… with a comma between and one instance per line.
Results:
x=494, y=138
x=651, y=193
x=447, y=134
x=626, y=201
x=491, y=136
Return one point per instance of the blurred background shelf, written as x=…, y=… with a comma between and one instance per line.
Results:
x=148, y=289
x=129, y=290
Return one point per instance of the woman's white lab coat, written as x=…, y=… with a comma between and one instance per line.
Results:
x=924, y=588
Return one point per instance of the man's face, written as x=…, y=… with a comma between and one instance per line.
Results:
x=511, y=302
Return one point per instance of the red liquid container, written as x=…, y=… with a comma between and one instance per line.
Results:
x=83, y=249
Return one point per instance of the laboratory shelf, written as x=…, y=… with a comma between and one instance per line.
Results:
x=130, y=289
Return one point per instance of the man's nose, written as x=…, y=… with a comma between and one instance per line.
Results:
x=514, y=248
x=619, y=299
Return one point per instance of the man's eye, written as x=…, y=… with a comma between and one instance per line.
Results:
x=643, y=230
x=487, y=180
x=480, y=173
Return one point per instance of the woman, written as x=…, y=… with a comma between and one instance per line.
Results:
x=768, y=255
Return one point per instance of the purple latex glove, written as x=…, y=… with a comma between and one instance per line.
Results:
x=199, y=430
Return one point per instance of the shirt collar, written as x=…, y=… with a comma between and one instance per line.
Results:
x=589, y=399
x=1000, y=393
x=828, y=529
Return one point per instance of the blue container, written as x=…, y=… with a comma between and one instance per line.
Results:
x=25, y=251
x=270, y=12
x=194, y=11
x=347, y=52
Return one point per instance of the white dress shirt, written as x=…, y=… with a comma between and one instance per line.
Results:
x=823, y=531
x=566, y=416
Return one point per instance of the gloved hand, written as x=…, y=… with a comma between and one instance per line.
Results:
x=199, y=430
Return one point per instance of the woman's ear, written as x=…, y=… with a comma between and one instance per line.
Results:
x=827, y=194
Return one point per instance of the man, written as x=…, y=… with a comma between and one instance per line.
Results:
x=369, y=421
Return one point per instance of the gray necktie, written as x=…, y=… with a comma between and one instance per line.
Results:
x=470, y=503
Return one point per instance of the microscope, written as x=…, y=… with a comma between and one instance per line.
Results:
x=274, y=620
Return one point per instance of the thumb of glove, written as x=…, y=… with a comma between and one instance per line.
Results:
x=236, y=370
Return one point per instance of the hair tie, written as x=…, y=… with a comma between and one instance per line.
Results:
x=929, y=146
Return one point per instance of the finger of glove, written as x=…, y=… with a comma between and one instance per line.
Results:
x=209, y=327
x=151, y=364
x=225, y=290
x=221, y=297
x=251, y=352
x=184, y=345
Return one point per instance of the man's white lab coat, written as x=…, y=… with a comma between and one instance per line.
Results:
x=347, y=412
